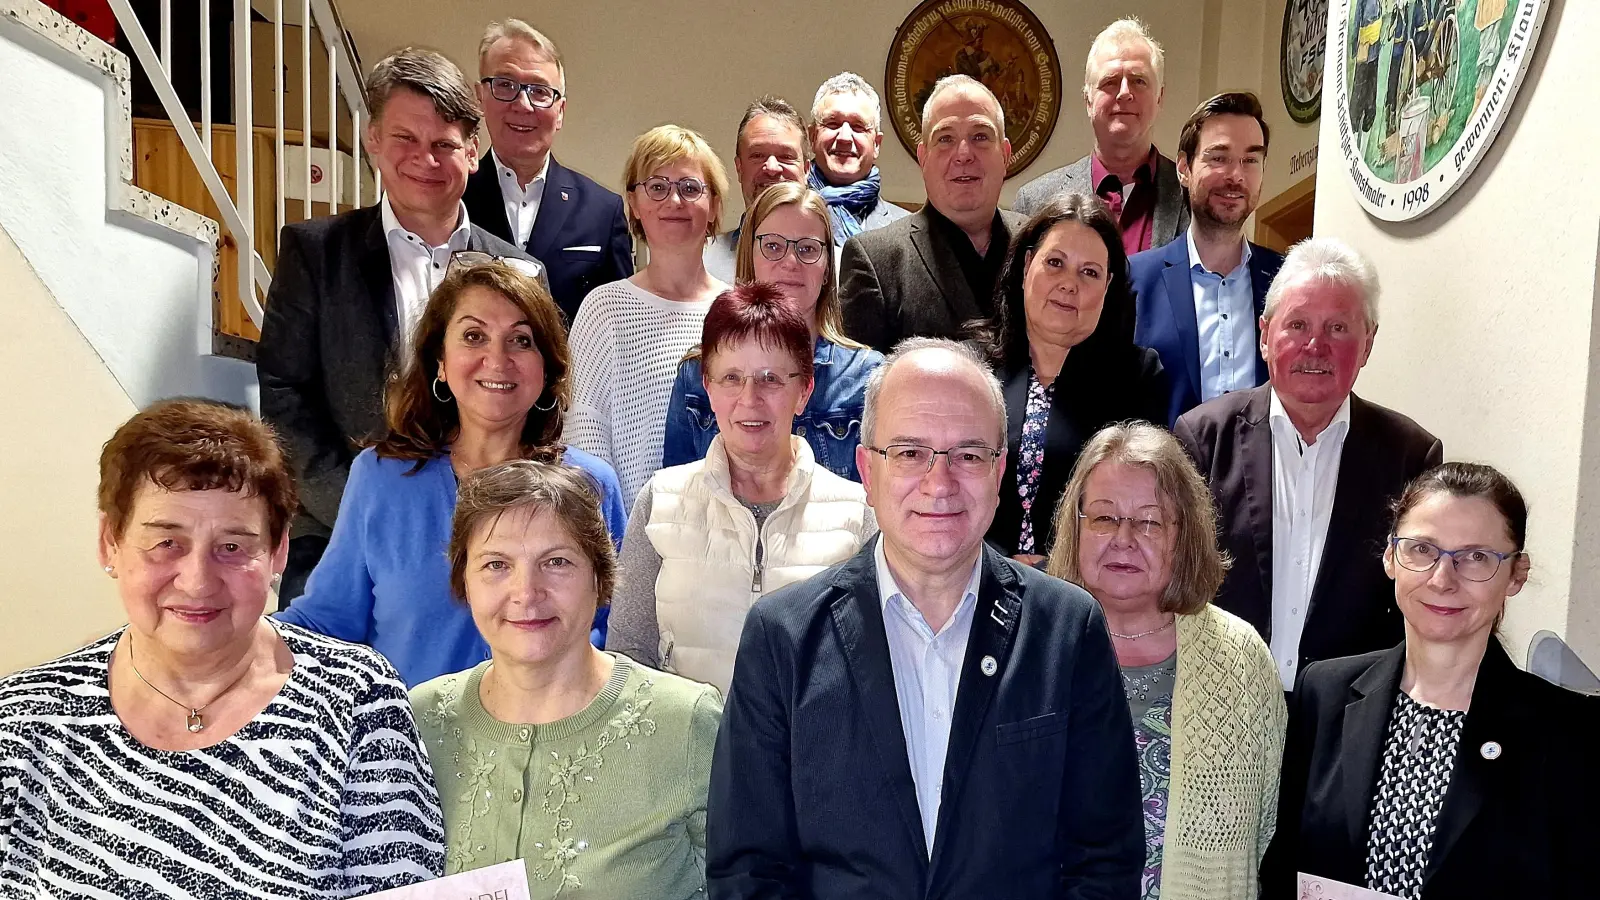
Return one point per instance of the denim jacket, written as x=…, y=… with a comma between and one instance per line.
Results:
x=830, y=423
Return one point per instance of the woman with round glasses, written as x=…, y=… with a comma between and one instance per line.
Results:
x=1062, y=344
x=788, y=242
x=709, y=538
x=1137, y=529
x=1438, y=769
x=629, y=335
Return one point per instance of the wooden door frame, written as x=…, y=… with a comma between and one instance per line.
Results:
x=1301, y=194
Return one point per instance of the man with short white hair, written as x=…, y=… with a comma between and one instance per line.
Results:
x=929, y=718
x=934, y=271
x=846, y=135
x=1307, y=564
x=520, y=193
x=1122, y=93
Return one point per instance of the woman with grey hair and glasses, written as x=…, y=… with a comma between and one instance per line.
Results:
x=1136, y=528
x=1438, y=769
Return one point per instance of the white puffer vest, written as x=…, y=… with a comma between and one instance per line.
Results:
x=707, y=539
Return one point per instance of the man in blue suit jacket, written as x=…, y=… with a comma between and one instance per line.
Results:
x=520, y=194
x=1199, y=298
x=928, y=719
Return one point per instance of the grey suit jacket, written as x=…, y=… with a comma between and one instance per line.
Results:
x=1172, y=206
x=903, y=280
x=328, y=346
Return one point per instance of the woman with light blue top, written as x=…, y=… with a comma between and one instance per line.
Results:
x=788, y=241
x=486, y=383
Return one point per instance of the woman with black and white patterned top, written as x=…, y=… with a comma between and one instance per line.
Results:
x=202, y=751
x=1439, y=770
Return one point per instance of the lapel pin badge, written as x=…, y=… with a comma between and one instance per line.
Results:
x=989, y=666
x=563, y=195
x=1490, y=750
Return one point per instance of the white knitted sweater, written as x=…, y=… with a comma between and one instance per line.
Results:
x=626, y=345
x=1228, y=720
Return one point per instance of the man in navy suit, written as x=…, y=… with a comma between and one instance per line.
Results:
x=520, y=193
x=1199, y=297
x=928, y=719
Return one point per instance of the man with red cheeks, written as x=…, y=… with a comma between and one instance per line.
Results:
x=931, y=272
x=1123, y=86
x=1303, y=470
x=349, y=288
x=846, y=135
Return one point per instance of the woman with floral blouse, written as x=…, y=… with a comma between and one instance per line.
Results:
x=589, y=766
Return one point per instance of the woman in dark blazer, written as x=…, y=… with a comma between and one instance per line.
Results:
x=1438, y=769
x=1062, y=344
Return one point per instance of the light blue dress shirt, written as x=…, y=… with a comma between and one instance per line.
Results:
x=927, y=674
x=1224, y=311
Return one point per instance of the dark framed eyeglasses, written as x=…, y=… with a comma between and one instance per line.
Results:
x=541, y=96
x=1471, y=563
x=660, y=187
x=918, y=459
x=775, y=247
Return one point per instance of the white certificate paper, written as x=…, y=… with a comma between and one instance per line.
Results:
x=506, y=881
x=1315, y=888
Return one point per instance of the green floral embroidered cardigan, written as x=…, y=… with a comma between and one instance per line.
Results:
x=609, y=802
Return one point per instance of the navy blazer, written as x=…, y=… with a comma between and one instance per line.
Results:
x=811, y=790
x=1520, y=825
x=1165, y=318
x=328, y=345
x=576, y=212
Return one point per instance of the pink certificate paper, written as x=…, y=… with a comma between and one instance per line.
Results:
x=1315, y=888
x=506, y=881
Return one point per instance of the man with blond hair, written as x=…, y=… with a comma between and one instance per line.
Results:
x=1122, y=93
x=520, y=193
x=930, y=273
x=846, y=135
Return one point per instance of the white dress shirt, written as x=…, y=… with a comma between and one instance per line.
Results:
x=1304, y=478
x=1225, y=314
x=417, y=268
x=927, y=674
x=522, y=204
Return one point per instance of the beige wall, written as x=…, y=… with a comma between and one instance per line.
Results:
x=1489, y=336
x=633, y=64
x=60, y=404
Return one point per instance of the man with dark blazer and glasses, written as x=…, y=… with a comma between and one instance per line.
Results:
x=348, y=288
x=1303, y=470
x=930, y=718
x=520, y=193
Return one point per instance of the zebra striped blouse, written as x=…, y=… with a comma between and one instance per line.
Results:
x=327, y=793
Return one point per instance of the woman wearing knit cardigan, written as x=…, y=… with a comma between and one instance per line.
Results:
x=1136, y=528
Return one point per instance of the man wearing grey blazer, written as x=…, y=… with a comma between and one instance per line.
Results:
x=929, y=274
x=1122, y=91
x=349, y=288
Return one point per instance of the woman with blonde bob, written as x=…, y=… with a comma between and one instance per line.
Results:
x=1136, y=528
x=629, y=335
x=788, y=242
x=592, y=768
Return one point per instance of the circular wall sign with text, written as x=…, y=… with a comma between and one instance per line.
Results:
x=1300, y=61
x=1421, y=89
x=998, y=42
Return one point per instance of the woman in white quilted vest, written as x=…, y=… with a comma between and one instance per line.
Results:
x=1136, y=528
x=707, y=539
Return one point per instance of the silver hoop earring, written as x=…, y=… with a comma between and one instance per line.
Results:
x=435, y=389
x=546, y=408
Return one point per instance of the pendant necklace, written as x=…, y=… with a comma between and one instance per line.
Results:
x=194, y=721
x=1135, y=637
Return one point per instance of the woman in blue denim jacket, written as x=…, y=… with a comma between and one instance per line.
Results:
x=787, y=241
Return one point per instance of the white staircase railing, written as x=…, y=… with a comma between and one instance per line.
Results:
x=344, y=83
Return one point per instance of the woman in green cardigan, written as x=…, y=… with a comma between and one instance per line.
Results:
x=592, y=768
x=1136, y=528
